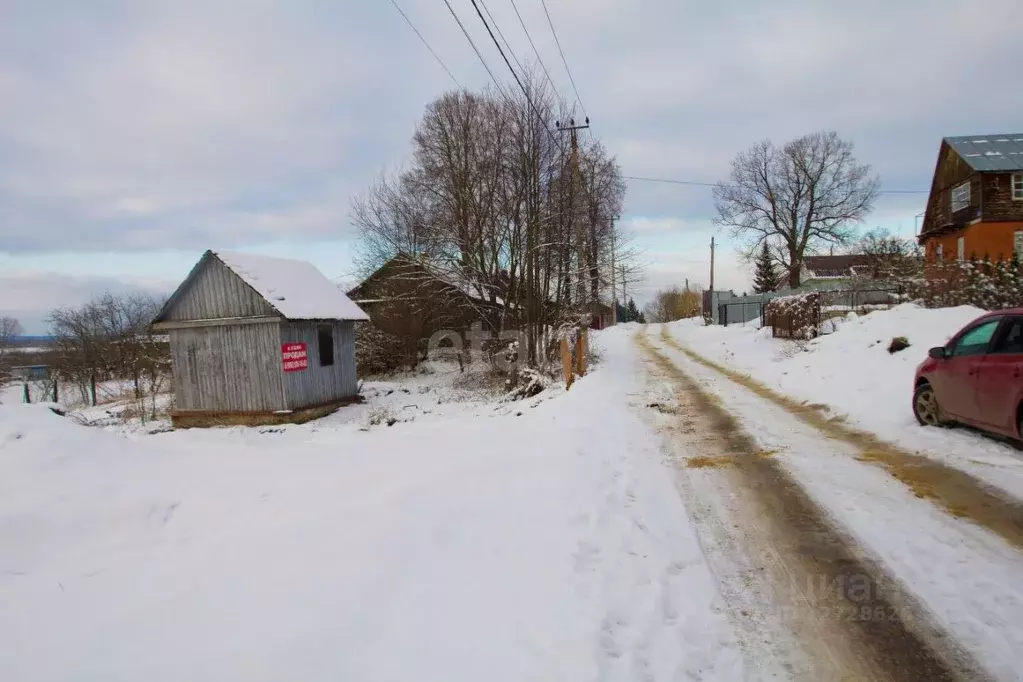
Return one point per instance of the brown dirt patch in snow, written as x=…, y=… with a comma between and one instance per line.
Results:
x=837, y=602
x=959, y=493
x=704, y=462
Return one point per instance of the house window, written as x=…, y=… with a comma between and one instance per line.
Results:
x=960, y=197
x=1017, y=186
x=961, y=249
x=325, y=344
x=939, y=252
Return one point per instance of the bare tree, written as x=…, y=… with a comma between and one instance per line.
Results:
x=496, y=205
x=9, y=328
x=673, y=303
x=889, y=256
x=109, y=338
x=797, y=199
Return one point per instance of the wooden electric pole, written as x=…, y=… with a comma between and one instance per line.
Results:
x=614, y=290
x=573, y=171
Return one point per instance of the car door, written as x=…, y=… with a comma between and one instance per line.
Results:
x=1001, y=378
x=955, y=378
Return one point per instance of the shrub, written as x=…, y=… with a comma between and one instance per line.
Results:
x=983, y=284
x=795, y=316
x=377, y=352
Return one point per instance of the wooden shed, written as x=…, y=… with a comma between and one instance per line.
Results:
x=258, y=340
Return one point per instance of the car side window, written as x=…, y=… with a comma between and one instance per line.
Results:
x=1010, y=339
x=976, y=340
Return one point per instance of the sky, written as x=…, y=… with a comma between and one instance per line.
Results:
x=136, y=135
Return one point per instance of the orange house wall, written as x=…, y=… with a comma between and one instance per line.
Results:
x=995, y=240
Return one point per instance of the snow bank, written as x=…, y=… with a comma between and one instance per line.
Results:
x=547, y=544
x=852, y=372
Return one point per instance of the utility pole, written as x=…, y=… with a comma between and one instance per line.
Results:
x=710, y=296
x=614, y=290
x=712, y=266
x=573, y=171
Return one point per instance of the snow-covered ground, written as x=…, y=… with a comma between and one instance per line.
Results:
x=538, y=540
x=968, y=580
x=852, y=372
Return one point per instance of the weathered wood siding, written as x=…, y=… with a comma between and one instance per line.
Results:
x=951, y=171
x=318, y=384
x=217, y=292
x=228, y=368
x=998, y=201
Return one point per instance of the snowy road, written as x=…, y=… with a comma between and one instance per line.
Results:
x=657, y=522
x=958, y=587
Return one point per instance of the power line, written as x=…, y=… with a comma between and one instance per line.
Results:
x=476, y=49
x=501, y=33
x=525, y=92
x=563, y=60
x=535, y=51
x=670, y=182
x=714, y=184
x=435, y=55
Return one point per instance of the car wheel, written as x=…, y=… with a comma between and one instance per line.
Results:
x=925, y=406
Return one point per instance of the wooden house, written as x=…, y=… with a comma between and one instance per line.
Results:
x=409, y=299
x=258, y=340
x=975, y=206
x=837, y=271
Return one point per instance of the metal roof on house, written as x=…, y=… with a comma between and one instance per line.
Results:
x=990, y=152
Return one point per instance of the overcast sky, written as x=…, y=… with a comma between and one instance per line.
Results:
x=135, y=135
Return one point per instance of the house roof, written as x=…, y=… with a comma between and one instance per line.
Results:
x=990, y=152
x=405, y=266
x=834, y=266
x=294, y=288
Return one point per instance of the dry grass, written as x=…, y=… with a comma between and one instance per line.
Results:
x=959, y=493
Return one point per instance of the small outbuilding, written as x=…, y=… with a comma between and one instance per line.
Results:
x=258, y=340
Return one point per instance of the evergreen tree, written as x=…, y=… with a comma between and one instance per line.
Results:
x=766, y=277
x=631, y=312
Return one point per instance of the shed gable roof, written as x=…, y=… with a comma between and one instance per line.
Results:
x=294, y=289
x=990, y=152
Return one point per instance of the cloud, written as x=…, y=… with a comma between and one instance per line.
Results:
x=30, y=296
x=142, y=126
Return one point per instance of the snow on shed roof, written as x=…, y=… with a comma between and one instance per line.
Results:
x=990, y=152
x=294, y=287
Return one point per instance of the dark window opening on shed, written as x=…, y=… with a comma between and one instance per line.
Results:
x=325, y=343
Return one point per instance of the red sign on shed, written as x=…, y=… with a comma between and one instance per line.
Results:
x=294, y=357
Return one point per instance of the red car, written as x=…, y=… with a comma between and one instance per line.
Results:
x=976, y=379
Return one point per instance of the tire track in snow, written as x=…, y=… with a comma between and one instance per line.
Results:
x=849, y=633
x=959, y=493
x=639, y=563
